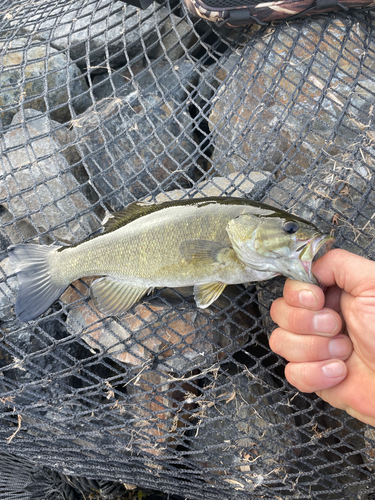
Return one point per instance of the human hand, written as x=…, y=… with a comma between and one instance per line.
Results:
x=329, y=340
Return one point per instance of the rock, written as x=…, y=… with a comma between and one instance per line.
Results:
x=142, y=144
x=105, y=33
x=337, y=200
x=267, y=292
x=311, y=201
x=159, y=406
x=178, y=37
x=12, y=231
x=156, y=338
x=148, y=395
x=110, y=85
x=37, y=183
x=177, y=338
x=34, y=74
x=352, y=204
x=252, y=185
x=8, y=289
x=212, y=77
x=172, y=81
x=62, y=135
x=294, y=97
x=66, y=139
x=209, y=81
x=369, y=455
x=339, y=432
x=5, y=241
x=245, y=429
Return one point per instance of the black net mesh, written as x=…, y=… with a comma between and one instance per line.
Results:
x=225, y=4
x=103, y=104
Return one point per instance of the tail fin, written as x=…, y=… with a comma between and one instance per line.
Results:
x=37, y=290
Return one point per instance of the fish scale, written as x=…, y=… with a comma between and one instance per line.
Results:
x=148, y=248
x=206, y=243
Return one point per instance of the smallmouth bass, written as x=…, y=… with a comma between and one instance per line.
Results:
x=206, y=243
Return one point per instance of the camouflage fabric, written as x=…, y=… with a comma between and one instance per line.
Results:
x=245, y=12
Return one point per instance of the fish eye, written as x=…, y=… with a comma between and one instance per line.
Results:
x=290, y=226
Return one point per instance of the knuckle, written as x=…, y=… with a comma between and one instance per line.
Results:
x=290, y=375
x=309, y=345
x=294, y=320
x=297, y=375
x=334, y=253
x=275, y=341
x=291, y=291
x=275, y=307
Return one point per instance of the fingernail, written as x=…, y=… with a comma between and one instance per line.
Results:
x=334, y=369
x=307, y=298
x=324, y=323
x=338, y=348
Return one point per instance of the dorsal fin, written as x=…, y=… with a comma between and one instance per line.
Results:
x=139, y=209
x=131, y=212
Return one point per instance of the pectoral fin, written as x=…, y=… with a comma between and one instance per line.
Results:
x=113, y=297
x=206, y=294
x=205, y=252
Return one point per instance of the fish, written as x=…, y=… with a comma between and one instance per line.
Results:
x=207, y=243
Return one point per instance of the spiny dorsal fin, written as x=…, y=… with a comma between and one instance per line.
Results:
x=140, y=208
x=131, y=212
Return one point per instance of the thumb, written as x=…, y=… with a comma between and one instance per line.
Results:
x=349, y=271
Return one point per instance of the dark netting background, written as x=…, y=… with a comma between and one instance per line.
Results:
x=103, y=104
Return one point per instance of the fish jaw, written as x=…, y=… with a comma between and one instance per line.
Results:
x=307, y=254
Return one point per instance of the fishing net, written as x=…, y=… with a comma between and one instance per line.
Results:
x=103, y=104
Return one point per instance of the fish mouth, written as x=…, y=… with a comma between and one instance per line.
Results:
x=319, y=244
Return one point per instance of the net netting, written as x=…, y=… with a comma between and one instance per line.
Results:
x=103, y=104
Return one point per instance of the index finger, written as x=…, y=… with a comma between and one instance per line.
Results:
x=349, y=271
x=300, y=294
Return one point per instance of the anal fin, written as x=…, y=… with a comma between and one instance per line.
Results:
x=206, y=294
x=112, y=296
